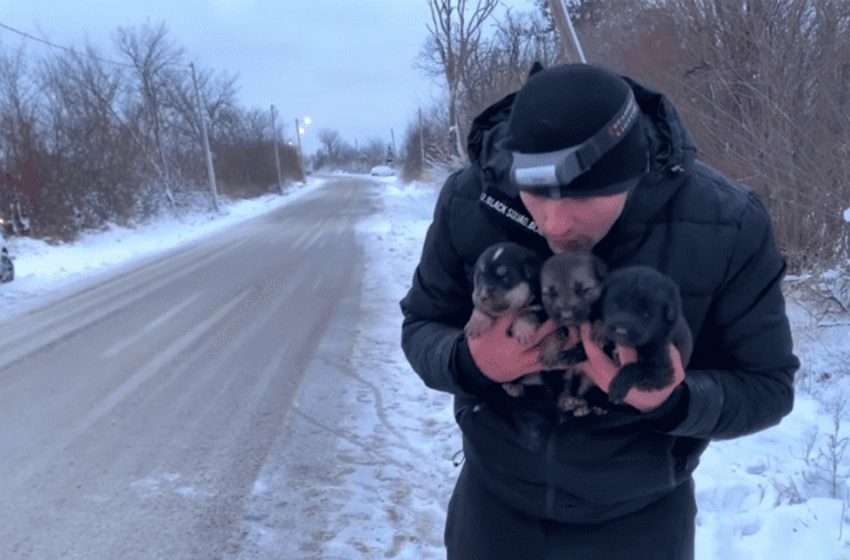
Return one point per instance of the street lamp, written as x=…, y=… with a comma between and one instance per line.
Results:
x=299, y=130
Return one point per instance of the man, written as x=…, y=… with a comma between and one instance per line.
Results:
x=582, y=159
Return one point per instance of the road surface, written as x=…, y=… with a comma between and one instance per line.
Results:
x=136, y=414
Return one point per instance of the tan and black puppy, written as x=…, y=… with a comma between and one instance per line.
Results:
x=570, y=286
x=642, y=308
x=506, y=279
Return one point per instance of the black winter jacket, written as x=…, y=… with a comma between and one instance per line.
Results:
x=710, y=235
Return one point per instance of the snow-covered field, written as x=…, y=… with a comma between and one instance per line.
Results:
x=780, y=494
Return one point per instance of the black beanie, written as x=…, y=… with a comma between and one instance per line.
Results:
x=562, y=106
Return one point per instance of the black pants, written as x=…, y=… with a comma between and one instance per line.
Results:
x=479, y=527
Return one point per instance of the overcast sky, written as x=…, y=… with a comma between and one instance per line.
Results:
x=348, y=64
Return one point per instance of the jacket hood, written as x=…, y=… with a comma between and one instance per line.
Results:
x=483, y=143
x=671, y=145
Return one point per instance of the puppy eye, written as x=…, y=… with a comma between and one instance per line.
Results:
x=580, y=290
x=551, y=292
x=502, y=270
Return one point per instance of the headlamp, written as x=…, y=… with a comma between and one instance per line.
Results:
x=550, y=173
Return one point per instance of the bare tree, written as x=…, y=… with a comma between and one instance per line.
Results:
x=504, y=60
x=437, y=151
x=151, y=54
x=374, y=152
x=455, y=38
x=86, y=141
x=767, y=86
x=21, y=148
x=92, y=159
x=331, y=142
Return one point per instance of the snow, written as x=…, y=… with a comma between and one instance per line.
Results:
x=778, y=494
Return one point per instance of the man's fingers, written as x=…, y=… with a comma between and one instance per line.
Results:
x=593, y=350
x=678, y=366
x=598, y=366
x=544, y=330
x=626, y=354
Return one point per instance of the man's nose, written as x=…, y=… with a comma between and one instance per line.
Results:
x=556, y=221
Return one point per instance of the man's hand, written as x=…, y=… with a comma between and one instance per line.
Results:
x=602, y=370
x=504, y=358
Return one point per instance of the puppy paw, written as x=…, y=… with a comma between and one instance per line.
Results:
x=550, y=356
x=523, y=330
x=477, y=325
x=646, y=377
x=617, y=391
x=569, y=403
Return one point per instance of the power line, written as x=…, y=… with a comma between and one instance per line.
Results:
x=61, y=47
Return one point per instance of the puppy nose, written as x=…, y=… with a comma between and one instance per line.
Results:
x=621, y=331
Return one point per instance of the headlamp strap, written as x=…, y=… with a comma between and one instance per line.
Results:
x=552, y=169
x=610, y=135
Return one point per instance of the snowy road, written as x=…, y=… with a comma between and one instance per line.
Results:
x=138, y=413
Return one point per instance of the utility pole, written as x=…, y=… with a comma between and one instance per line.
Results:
x=300, y=151
x=206, y=140
x=276, y=154
x=421, y=143
x=392, y=136
x=569, y=39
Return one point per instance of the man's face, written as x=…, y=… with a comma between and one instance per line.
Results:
x=574, y=224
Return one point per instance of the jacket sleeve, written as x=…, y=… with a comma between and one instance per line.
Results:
x=437, y=307
x=749, y=329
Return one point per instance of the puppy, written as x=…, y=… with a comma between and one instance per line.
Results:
x=506, y=279
x=570, y=286
x=642, y=308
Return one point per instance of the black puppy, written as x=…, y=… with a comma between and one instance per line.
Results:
x=506, y=280
x=642, y=308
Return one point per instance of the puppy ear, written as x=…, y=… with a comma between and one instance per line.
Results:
x=672, y=305
x=532, y=270
x=669, y=312
x=599, y=268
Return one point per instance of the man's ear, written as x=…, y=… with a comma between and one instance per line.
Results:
x=535, y=68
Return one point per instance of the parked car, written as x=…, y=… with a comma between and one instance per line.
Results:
x=7, y=267
x=382, y=171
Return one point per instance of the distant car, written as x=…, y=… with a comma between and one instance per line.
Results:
x=382, y=171
x=7, y=267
